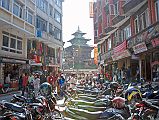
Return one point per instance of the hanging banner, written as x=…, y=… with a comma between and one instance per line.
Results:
x=120, y=47
x=140, y=48
x=91, y=13
x=96, y=55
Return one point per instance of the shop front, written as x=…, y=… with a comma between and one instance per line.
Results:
x=142, y=61
x=108, y=66
x=121, y=59
x=145, y=46
x=11, y=69
x=155, y=60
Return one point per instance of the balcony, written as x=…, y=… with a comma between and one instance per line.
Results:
x=132, y=6
x=108, y=29
x=145, y=35
x=117, y=19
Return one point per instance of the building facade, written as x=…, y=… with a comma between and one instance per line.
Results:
x=31, y=37
x=126, y=32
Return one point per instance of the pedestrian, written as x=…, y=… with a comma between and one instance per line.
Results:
x=36, y=83
x=1, y=88
x=50, y=79
x=61, y=83
x=20, y=82
x=24, y=83
x=138, y=75
x=30, y=82
x=128, y=74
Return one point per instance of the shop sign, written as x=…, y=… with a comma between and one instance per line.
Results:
x=155, y=42
x=140, y=48
x=120, y=55
x=13, y=61
x=134, y=57
x=32, y=62
x=155, y=63
x=96, y=55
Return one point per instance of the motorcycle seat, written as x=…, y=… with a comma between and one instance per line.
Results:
x=14, y=107
x=21, y=98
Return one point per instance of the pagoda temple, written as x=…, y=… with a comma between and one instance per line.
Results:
x=78, y=55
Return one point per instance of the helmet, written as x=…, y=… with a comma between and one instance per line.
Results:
x=45, y=89
x=133, y=93
x=113, y=85
x=118, y=102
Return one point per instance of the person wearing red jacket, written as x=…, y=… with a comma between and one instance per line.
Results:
x=24, y=83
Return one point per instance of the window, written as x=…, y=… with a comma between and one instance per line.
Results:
x=143, y=20
x=5, y=4
x=5, y=41
x=57, y=16
x=108, y=20
x=41, y=24
x=136, y=26
x=11, y=43
x=19, y=45
x=127, y=32
x=43, y=5
x=17, y=9
x=111, y=9
x=109, y=44
x=29, y=16
x=51, y=29
x=58, y=3
x=157, y=9
x=116, y=8
x=57, y=33
x=50, y=10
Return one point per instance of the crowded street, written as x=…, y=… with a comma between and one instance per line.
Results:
x=79, y=59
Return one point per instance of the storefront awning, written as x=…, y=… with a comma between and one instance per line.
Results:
x=13, y=60
x=106, y=37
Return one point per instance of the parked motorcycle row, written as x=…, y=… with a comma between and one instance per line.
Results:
x=113, y=101
x=41, y=107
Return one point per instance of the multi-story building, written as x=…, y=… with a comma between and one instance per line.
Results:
x=45, y=49
x=30, y=35
x=126, y=32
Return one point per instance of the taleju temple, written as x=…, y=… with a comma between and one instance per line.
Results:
x=78, y=55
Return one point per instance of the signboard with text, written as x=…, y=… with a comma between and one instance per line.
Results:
x=121, y=55
x=140, y=48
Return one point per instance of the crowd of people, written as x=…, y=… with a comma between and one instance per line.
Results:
x=32, y=82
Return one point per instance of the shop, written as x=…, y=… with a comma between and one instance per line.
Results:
x=11, y=69
x=121, y=57
x=141, y=61
x=155, y=60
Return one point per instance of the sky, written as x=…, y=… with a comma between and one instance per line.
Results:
x=76, y=13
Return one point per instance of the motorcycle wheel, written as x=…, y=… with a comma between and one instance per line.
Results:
x=149, y=115
x=56, y=114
